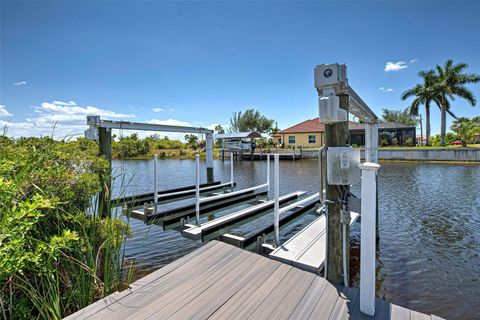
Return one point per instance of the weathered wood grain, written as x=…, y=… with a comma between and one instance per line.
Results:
x=220, y=281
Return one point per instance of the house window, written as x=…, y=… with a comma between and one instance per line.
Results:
x=312, y=138
x=291, y=139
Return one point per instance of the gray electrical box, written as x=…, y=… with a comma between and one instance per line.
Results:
x=342, y=165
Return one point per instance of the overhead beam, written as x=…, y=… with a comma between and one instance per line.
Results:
x=95, y=121
x=359, y=108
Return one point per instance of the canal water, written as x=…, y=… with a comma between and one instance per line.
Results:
x=429, y=253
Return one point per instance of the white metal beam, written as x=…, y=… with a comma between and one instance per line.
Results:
x=96, y=122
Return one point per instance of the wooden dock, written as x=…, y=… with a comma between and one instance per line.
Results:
x=220, y=281
x=306, y=249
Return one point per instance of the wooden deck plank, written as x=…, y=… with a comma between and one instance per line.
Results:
x=399, y=313
x=295, y=246
x=345, y=303
x=275, y=297
x=415, y=315
x=144, y=295
x=309, y=300
x=242, y=298
x=203, y=294
x=306, y=249
x=256, y=298
x=230, y=282
x=188, y=289
x=292, y=298
x=325, y=304
x=107, y=301
x=220, y=281
x=256, y=275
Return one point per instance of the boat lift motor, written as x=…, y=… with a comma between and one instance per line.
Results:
x=328, y=77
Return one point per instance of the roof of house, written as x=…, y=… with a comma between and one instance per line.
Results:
x=314, y=125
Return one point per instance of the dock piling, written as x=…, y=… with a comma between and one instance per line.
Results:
x=368, y=237
x=209, y=156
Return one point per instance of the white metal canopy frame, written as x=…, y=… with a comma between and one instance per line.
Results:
x=95, y=123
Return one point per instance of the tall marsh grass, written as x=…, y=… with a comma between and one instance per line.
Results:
x=56, y=254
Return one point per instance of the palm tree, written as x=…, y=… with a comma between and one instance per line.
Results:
x=452, y=81
x=424, y=94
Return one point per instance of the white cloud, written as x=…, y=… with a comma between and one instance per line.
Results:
x=413, y=60
x=20, y=83
x=4, y=112
x=62, y=103
x=61, y=118
x=395, y=66
x=383, y=89
x=157, y=110
x=170, y=122
x=172, y=109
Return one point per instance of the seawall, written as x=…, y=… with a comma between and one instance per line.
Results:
x=411, y=154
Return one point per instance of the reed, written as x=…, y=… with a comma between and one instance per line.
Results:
x=56, y=254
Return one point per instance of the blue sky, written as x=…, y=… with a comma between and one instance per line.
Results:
x=194, y=63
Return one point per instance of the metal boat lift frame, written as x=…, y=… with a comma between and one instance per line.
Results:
x=101, y=131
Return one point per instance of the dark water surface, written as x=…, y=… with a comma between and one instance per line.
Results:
x=429, y=254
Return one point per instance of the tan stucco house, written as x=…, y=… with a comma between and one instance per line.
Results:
x=310, y=134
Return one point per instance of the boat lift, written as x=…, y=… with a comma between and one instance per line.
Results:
x=171, y=217
x=309, y=248
x=101, y=131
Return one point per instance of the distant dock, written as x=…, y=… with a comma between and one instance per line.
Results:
x=220, y=281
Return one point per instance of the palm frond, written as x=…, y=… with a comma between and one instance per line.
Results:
x=464, y=93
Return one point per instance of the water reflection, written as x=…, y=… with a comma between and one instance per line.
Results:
x=429, y=250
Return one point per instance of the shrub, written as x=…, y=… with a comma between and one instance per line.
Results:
x=409, y=142
x=54, y=257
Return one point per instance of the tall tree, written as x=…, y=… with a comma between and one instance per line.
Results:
x=191, y=139
x=250, y=120
x=399, y=116
x=424, y=93
x=466, y=128
x=452, y=80
x=219, y=129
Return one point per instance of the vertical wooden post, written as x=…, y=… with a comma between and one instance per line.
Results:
x=209, y=157
x=336, y=135
x=105, y=149
x=368, y=242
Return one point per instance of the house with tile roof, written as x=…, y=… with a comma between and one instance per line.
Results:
x=310, y=134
